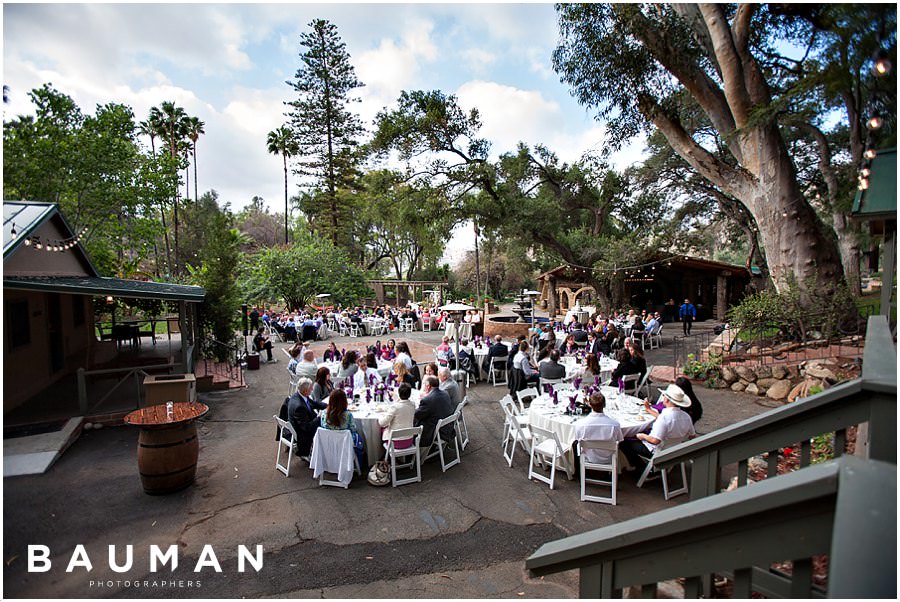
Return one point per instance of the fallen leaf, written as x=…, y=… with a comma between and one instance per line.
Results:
x=10, y=560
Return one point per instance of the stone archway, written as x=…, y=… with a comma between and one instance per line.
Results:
x=582, y=290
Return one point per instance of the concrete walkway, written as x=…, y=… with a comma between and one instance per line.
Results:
x=462, y=534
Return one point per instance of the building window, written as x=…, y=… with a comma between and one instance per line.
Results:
x=17, y=324
x=77, y=310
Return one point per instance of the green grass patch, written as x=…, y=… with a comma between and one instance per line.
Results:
x=746, y=335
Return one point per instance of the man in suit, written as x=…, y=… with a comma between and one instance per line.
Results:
x=498, y=349
x=579, y=333
x=301, y=414
x=433, y=406
x=449, y=386
x=593, y=343
x=551, y=369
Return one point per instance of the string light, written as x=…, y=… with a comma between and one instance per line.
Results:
x=865, y=172
x=13, y=233
x=870, y=153
x=882, y=64
x=874, y=122
x=864, y=184
x=53, y=245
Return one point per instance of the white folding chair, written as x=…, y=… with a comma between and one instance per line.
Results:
x=342, y=329
x=354, y=329
x=438, y=444
x=651, y=472
x=332, y=324
x=644, y=383
x=332, y=452
x=295, y=380
x=407, y=325
x=543, y=382
x=411, y=452
x=498, y=366
x=378, y=328
x=462, y=431
x=287, y=438
x=631, y=383
x=426, y=325
x=529, y=394
x=655, y=338
x=459, y=375
x=612, y=467
x=546, y=446
x=517, y=430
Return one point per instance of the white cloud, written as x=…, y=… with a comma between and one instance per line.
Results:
x=477, y=59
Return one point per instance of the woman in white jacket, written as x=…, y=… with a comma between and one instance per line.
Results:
x=398, y=416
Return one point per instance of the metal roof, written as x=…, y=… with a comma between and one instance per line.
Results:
x=25, y=217
x=879, y=200
x=100, y=286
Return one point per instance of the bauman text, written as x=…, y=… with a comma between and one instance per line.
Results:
x=39, y=559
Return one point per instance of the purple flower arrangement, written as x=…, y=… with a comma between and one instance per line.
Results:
x=577, y=382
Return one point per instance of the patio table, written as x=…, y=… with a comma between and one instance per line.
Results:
x=366, y=415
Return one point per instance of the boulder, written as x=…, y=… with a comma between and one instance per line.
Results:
x=779, y=390
x=779, y=372
x=746, y=373
x=738, y=387
x=820, y=371
x=793, y=371
x=763, y=372
x=728, y=374
x=752, y=389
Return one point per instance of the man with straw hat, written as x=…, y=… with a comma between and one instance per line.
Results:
x=673, y=423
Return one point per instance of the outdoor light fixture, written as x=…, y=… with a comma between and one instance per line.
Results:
x=864, y=172
x=27, y=242
x=864, y=184
x=13, y=233
x=874, y=122
x=109, y=300
x=882, y=64
x=870, y=153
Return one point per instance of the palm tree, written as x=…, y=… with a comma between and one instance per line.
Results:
x=194, y=130
x=174, y=122
x=282, y=142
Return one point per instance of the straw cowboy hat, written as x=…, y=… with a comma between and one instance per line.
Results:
x=676, y=396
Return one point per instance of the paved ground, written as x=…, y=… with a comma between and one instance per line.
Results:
x=462, y=534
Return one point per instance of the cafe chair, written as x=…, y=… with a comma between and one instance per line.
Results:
x=342, y=329
x=412, y=452
x=529, y=394
x=655, y=338
x=333, y=452
x=379, y=327
x=549, y=381
x=354, y=329
x=644, y=384
x=426, y=325
x=516, y=430
x=611, y=467
x=295, y=380
x=545, y=446
x=408, y=324
x=497, y=370
x=652, y=473
x=439, y=443
x=462, y=431
x=287, y=438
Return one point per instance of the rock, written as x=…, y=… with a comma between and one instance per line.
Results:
x=763, y=372
x=752, y=389
x=738, y=387
x=766, y=382
x=800, y=390
x=779, y=390
x=753, y=350
x=98, y=425
x=728, y=374
x=779, y=372
x=746, y=373
x=88, y=426
x=793, y=371
x=820, y=371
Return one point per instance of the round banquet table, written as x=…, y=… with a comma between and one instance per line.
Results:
x=168, y=447
x=366, y=415
x=575, y=366
x=479, y=353
x=384, y=368
x=626, y=409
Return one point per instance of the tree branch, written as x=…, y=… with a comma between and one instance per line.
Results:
x=730, y=63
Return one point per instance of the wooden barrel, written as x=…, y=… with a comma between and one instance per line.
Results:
x=167, y=457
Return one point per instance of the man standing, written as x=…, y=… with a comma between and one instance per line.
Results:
x=449, y=386
x=433, y=406
x=687, y=312
x=302, y=416
x=254, y=319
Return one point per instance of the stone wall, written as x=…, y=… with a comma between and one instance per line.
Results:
x=785, y=382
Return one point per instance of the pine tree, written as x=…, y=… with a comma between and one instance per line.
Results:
x=325, y=129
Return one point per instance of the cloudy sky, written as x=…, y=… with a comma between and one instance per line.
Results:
x=228, y=63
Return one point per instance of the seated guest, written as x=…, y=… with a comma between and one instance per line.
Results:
x=348, y=365
x=323, y=385
x=653, y=323
x=610, y=340
x=367, y=372
x=389, y=351
x=337, y=417
x=261, y=341
x=449, y=386
x=331, y=353
x=523, y=363
x=404, y=355
x=569, y=347
x=590, y=369
x=552, y=369
x=625, y=366
x=290, y=329
x=434, y=405
x=444, y=346
x=429, y=370
x=307, y=367
x=579, y=333
x=514, y=352
x=593, y=344
x=295, y=352
x=399, y=415
x=673, y=423
x=597, y=426
x=695, y=410
x=497, y=349
x=301, y=411
x=402, y=375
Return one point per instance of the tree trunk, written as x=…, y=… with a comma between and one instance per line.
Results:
x=848, y=242
x=162, y=213
x=196, y=197
x=284, y=156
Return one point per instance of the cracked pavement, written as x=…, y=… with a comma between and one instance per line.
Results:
x=460, y=534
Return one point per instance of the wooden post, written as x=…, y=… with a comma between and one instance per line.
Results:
x=888, y=266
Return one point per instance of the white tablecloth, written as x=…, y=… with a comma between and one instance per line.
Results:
x=384, y=368
x=574, y=367
x=628, y=410
x=479, y=353
x=366, y=415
